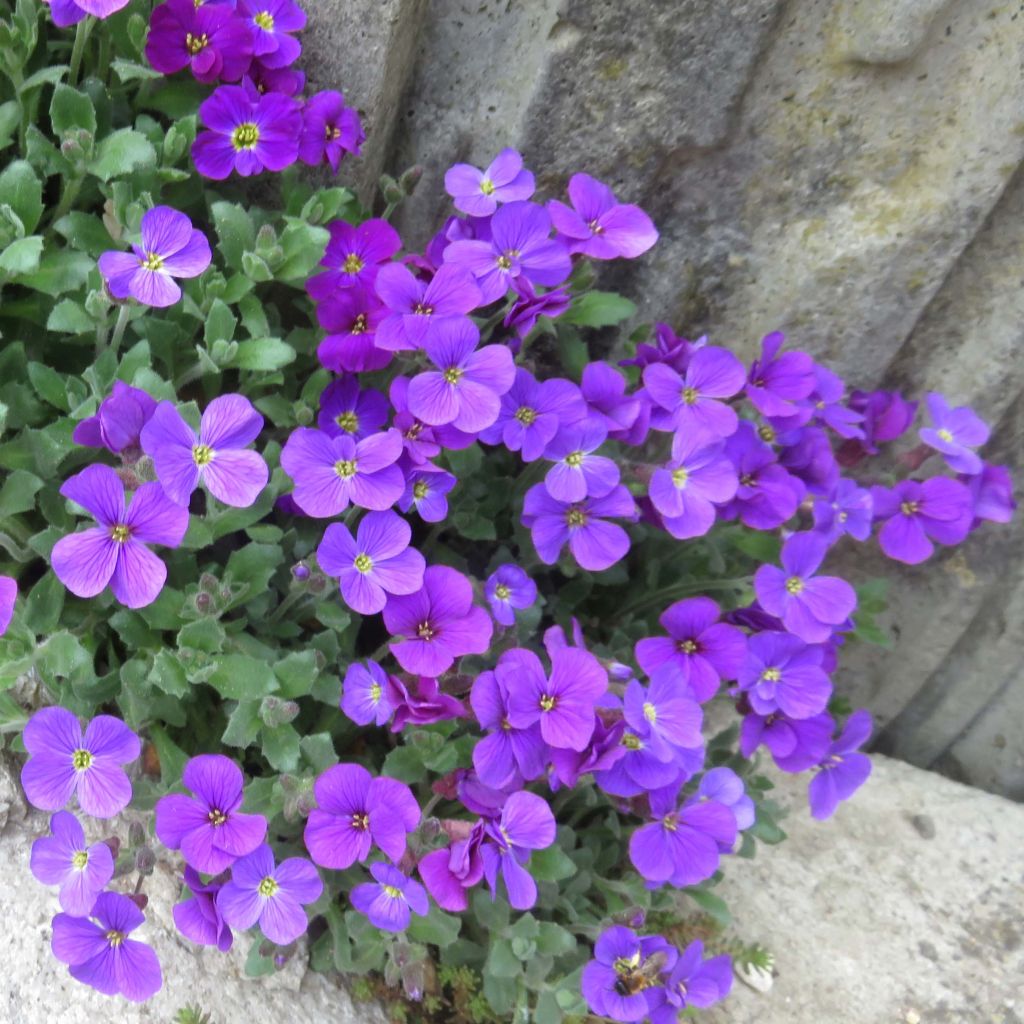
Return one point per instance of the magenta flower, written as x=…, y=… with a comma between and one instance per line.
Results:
x=577, y=472
x=777, y=384
x=70, y=12
x=170, y=248
x=209, y=827
x=607, y=981
x=563, y=703
x=687, y=491
x=271, y=22
x=426, y=490
x=604, y=389
x=390, y=900
x=376, y=562
x=437, y=624
x=218, y=457
x=508, y=589
x=62, y=762
x=198, y=918
x=594, y=543
x=115, y=552
x=247, y=132
x=827, y=405
x=887, y=415
x=355, y=812
x=352, y=316
x=466, y=388
x=449, y=872
x=421, y=702
x=809, y=606
x=100, y=954
x=916, y=513
x=526, y=823
x=210, y=39
x=418, y=309
x=520, y=247
x=347, y=409
x=844, y=769
x=329, y=130
x=478, y=193
x=118, y=422
x=353, y=256
x=287, y=81
x=331, y=472
x=8, y=596
x=597, y=225
x=365, y=694
x=270, y=895
x=692, y=400
x=782, y=673
x=422, y=442
x=64, y=858
x=767, y=495
x=531, y=306
x=954, y=434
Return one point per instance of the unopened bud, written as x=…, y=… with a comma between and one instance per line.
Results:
x=136, y=834
x=145, y=860
x=300, y=571
x=140, y=899
x=410, y=179
x=204, y=603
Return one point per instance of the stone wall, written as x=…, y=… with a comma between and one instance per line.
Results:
x=845, y=170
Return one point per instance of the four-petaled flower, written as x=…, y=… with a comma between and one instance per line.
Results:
x=209, y=38
x=64, y=858
x=599, y=226
x=390, y=900
x=955, y=433
x=526, y=823
x=478, y=193
x=508, y=589
x=199, y=918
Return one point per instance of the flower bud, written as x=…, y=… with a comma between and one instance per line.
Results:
x=145, y=860
x=136, y=834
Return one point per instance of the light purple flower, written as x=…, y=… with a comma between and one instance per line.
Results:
x=992, y=493
x=329, y=130
x=782, y=673
x=599, y=226
x=355, y=812
x=271, y=22
x=271, y=895
x=422, y=442
x=616, y=982
x=449, y=872
x=365, y=696
x=354, y=255
x=64, y=858
x=916, y=513
x=478, y=193
x=687, y=490
x=391, y=899
x=725, y=786
x=828, y=408
x=8, y=597
x=331, y=472
x=426, y=490
x=695, y=982
x=508, y=589
x=198, y=918
x=767, y=495
x=466, y=388
x=795, y=744
x=604, y=388
x=70, y=12
x=62, y=762
x=531, y=306
x=208, y=38
x=118, y=421
x=844, y=770
x=809, y=606
x=209, y=828
x=170, y=248
x=437, y=624
x=886, y=416
x=848, y=510
x=421, y=702
x=526, y=823
x=577, y=472
x=376, y=562
x=100, y=954
x=778, y=383
x=954, y=434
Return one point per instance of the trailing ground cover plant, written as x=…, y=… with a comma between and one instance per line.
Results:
x=423, y=632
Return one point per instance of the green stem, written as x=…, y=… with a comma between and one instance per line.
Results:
x=667, y=594
x=123, y=315
x=193, y=373
x=78, y=50
x=69, y=194
x=287, y=604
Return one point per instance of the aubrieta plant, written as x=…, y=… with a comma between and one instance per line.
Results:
x=417, y=626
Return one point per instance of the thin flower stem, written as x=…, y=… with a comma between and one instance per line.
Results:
x=138, y=884
x=193, y=373
x=684, y=590
x=78, y=50
x=287, y=604
x=123, y=315
x=69, y=194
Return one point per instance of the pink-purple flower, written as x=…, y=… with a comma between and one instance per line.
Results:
x=390, y=900
x=65, y=859
x=210, y=39
x=689, y=488
x=599, y=226
x=478, y=193
x=352, y=316
x=198, y=917
x=345, y=408
x=365, y=694
x=426, y=490
x=844, y=769
x=577, y=472
x=329, y=130
x=8, y=597
x=915, y=513
x=526, y=823
x=117, y=424
x=272, y=22
x=353, y=256
x=509, y=589
x=622, y=981
x=778, y=384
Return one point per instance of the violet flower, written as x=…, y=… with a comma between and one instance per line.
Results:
x=198, y=918
x=345, y=408
x=450, y=872
x=955, y=433
x=687, y=490
x=421, y=441
x=597, y=225
x=992, y=493
x=376, y=562
x=915, y=514
x=70, y=12
x=767, y=495
x=421, y=702
x=508, y=589
x=662, y=715
x=694, y=982
x=353, y=256
x=531, y=306
x=355, y=812
x=887, y=416
x=100, y=954
x=848, y=510
x=795, y=744
x=604, y=388
x=352, y=316
x=118, y=421
x=827, y=405
x=271, y=22
x=725, y=786
x=844, y=770
x=624, y=979
x=63, y=762
x=8, y=597
x=210, y=39
x=778, y=383
x=478, y=193
x=64, y=858
x=426, y=490
x=577, y=472
x=170, y=248
x=364, y=696
x=329, y=130
x=782, y=673
x=526, y=823
x=390, y=900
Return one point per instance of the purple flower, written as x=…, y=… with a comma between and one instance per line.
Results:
x=118, y=421
x=218, y=457
x=508, y=589
x=601, y=754
x=563, y=702
x=806, y=453
x=170, y=248
x=682, y=846
x=992, y=493
x=352, y=315
x=531, y=414
x=376, y=562
x=886, y=416
x=353, y=256
x=209, y=828
x=418, y=309
x=329, y=130
x=421, y=703
x=828, y=408
x=915, y=514
x=725, y=786
x=662, y=715
x=478, y=192
x=70, y=12
x=508, y=754
x=449, y=872
x=422, y=442
x=62, y=762
x=248, y=132
x=776, y=384
x=782, y=673
x=287, y=81
x=467, y=386
x=520, y=246
x=365, y=694
x=63, y=858
x=437, y=624
x=354, y=812
x=686, y=491
x=100, y=954
x=208, y=38
x=198, y=918
x=767, y=495
x=8, y=596
x=694, y=981
x=271, y=21
x=273, y=896
x=796, y=744
x=597, y=225
x=577, y=473
x=809, y=606
x=331, y=472
x=531, y=306
x=848, y=510
x=526, y=824
x=604, y=389
x=390, y=900
x=426, y=489
x=623, y=981
x=692, y=399
x=954, y=434
x=347, y=409
x=594, y=543
x=703, y=650
x=844, y=770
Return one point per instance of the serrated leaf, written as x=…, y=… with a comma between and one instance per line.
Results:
x=121, y=153
x=20, y=188
x=70, y=110
x=240, y=677
x=18, y=493
x=599, y=309
x=69, y=317
x=21, y=256
x=264, y=354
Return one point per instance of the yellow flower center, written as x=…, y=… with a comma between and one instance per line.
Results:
x=747, y=480
x=575, y=517
x=680, y=476
x=360, y=325
x=420, y=489
x=364, y=563
x=772, y=675
x=361, y=821
x=631, y=741
x=945, y=435
x=670, y=823
x=331, y=134
x=265, y=20
x=453, y=375
x=79, y=859
x=547, y=702
x=195, y=43
x=690, y=395
x=425, y=631
x=345, y=468
x=245, y=136
x=909, y=508
x=688, y=646
x=114, y=938
x=650, y=712
x=843, y=516
x=376, y=692
x=353, y=264
x=153, y=261
x=526, y=415
x=574, y=459
x=119, y=534
x=348, y=421
x=202, y=455
x=216, y=817
x=395, y=894
x=794, y=585
x=81, y=760
x=766, y=433
x=596, y=227
x=501, y=592
x=423, y=310
x=487, y=187
x=268, y=887
x=504, y=263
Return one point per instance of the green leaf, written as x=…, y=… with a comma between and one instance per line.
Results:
x=244, y=724
x=318, y=751
x=168, y=675
x=59, y=271
x=437, y=928
x=711, y=904
x=236, y=232
x=44, y=76
x=49, y=385
x=10, y=116
x=172, y=758
x=44, y=604
x=551, y=865
x=599, y=309
x=69, y=317
x=70, y=110
x=60, y=656
x=20, y=187
x=296, y=673
x=220, y=323
x=202, y=635
x=85, y=231
x=281, y=747
x=18, y=493
x=240, y=677
x=21, y=256
x=264, y=354
x=121, y=153
x=501, y=961
x=129, y=71
x=554, y=940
